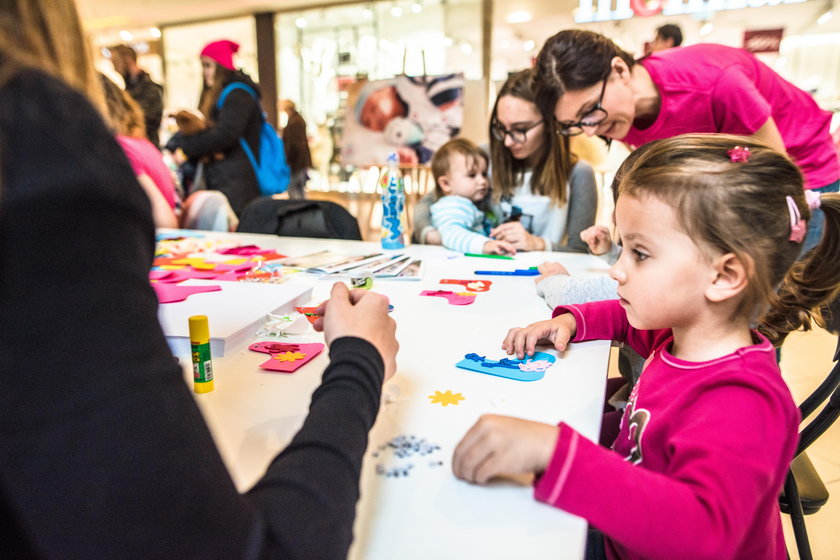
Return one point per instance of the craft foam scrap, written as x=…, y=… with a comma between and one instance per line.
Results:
x=446, y=398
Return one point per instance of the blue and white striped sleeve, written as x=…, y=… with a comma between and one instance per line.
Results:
x=453, y=217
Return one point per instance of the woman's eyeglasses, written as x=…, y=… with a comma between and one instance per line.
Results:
x=593, y=118
x=517, y=135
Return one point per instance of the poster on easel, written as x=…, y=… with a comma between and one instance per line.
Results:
x=413, y=116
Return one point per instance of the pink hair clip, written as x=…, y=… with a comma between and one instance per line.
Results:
x=798, y=226
x=739, y=154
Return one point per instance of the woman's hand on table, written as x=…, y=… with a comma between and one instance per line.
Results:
x=362, y=314
x=557, y=331
x=515, y=234
x=597, y=238
x=502, y=445
x=547, y=269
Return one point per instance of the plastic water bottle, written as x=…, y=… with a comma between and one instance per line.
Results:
x=393, y=202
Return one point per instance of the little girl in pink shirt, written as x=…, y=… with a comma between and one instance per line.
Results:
x=711, y=226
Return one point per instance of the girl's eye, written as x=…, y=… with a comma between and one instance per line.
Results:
x=638, y=255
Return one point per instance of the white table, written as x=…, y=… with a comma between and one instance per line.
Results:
x=428, y=514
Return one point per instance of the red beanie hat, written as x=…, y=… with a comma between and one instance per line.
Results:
x=221, y=52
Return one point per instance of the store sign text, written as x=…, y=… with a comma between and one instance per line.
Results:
x=608, y=10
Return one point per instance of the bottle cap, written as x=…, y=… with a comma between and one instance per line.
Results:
x=199, y=329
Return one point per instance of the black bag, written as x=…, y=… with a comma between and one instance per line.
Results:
x=299, y=218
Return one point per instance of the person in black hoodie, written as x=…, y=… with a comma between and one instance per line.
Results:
x=103, y=451
x=227, y=169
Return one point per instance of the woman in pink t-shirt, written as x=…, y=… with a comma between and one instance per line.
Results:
x=586, y=84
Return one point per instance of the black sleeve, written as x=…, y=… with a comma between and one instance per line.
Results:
x=103, y=451
x=231, y=124
x=311, y=489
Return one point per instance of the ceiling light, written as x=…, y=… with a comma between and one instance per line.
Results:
x=528, y=45
x=396, y=11
x=416, y=8
x=300, y=23
x=126, y=36
x=706, y=29
x=825, y=18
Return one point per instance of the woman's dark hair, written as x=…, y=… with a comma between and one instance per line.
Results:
x=571, y=60
x=553, y=160
x=210, y=95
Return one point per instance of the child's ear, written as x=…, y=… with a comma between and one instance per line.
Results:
x=443, y=183
x=731, y=277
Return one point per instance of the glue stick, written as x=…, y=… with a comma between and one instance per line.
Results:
x=200, y=344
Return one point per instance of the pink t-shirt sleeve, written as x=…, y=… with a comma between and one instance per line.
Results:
x=737, y=105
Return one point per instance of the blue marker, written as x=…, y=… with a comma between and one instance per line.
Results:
x=517, y=272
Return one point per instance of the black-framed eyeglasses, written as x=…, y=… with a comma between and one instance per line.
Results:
x=517, y=135
x=593, y=118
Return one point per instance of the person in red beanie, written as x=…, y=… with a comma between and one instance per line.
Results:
x=228, y=169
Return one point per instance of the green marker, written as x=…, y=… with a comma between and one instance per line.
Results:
x=505, y=257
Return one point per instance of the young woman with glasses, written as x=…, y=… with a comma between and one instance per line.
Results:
x=547, y=196
x=586, y=84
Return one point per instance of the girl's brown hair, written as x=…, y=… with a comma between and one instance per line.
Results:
x=124, y=114
x=210, y=95
x=47, y=35
x=740, y=207
x=571, y=60
x=553, y=160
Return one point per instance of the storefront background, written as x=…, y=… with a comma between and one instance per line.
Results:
x=320, y=51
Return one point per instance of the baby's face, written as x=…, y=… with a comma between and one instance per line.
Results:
x=380, y=107
x=467, y=177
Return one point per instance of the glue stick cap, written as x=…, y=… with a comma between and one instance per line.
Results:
x=199, y=329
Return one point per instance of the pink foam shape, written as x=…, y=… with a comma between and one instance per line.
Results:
x=452, y=297
x=245, y=250
x=171, y=293
x=309, y=349
x=222, y=267
x=181, y=274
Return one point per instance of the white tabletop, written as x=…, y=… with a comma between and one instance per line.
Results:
x=429, y=513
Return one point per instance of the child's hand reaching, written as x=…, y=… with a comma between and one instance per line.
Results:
x=597, y=238
x=499, y=247
x=547, y=269
x=498, y=445
x=557, y=331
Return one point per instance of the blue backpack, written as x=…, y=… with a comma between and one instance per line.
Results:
x=273, y=173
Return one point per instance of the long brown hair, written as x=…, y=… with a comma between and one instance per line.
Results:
x=741, y=207
x=554, y=159
x=571, y=60
x=47, y=35
x=124, y=114
x=210, y=95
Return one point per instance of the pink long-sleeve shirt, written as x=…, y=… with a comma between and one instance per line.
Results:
x=700, y=459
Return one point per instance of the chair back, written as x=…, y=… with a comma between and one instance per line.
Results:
x=299, y=218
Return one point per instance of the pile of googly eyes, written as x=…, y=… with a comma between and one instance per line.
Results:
x=418, y=450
